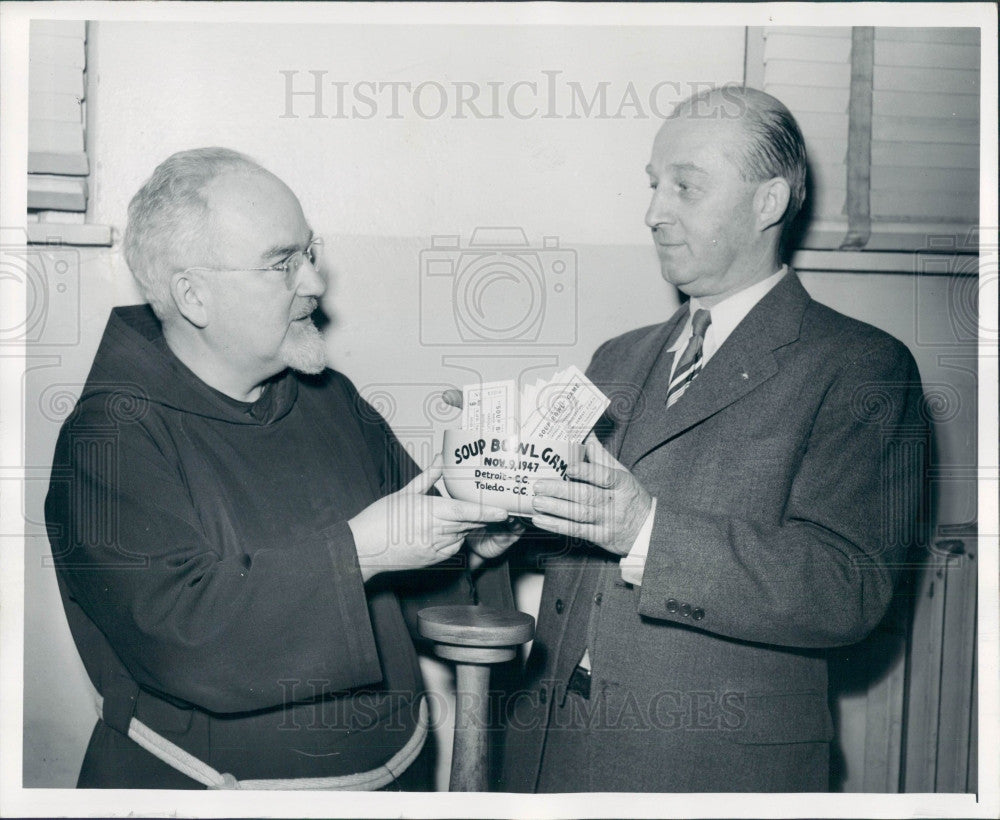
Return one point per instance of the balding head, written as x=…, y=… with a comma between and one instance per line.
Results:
x=774, y=145
x=168, y=219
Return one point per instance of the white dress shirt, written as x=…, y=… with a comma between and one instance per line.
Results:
x=726, y=315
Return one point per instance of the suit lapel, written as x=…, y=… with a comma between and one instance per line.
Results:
x=626, y=384
x=744, y=362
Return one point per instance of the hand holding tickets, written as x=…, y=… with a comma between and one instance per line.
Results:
x=602, y=503
x=509, y=440
x=542, y=472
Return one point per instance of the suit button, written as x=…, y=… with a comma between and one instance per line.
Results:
x=559, y=606
x=542, y=696
x=686, y=610
x=671, y=604
x=598, y=598
x=698, y=613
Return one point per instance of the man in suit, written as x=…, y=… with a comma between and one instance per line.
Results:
x=745, y=512
x=236, y=532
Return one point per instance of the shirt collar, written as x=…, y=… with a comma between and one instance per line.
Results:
x=727, y=314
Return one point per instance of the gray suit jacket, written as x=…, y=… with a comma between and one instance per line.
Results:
x=788, y=478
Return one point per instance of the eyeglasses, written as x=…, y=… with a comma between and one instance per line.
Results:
x=289, y=267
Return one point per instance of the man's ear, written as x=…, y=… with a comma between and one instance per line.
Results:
x=191, y=298
x=770, y=202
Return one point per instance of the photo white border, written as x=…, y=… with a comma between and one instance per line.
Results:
x=36, y=802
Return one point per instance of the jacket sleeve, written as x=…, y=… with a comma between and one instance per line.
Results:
x=823, y=575
x=225, y=632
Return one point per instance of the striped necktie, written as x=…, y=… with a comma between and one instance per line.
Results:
x=689, y=364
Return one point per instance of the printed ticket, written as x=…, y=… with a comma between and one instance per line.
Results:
x=564, y=408
x=489, y=407
x=567, y=408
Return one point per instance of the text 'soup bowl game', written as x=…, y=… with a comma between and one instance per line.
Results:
x=512, y=436
x=501, y=470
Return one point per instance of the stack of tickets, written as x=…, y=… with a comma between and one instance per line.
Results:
x=564, y=408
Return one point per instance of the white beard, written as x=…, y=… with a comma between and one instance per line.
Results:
x=304, y=348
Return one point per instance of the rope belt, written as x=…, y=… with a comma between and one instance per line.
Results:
x=173, y=755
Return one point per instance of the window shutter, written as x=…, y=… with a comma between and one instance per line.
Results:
x=58, y=166
x=925, y=136
x=891, y=122
x=809, y=70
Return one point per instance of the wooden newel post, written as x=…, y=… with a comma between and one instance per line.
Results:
x=474, y=637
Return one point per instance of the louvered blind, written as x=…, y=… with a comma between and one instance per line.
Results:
x=925, y=134
x=58, y=166
x=891, y=122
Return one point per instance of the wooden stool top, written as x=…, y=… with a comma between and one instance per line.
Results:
x=476, y=625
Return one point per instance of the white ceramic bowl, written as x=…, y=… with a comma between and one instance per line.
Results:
x=501, y=470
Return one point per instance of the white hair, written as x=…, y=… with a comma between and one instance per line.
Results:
x=168, y=217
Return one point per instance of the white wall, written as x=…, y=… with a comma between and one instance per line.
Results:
x=378, y=190
x=58, y=708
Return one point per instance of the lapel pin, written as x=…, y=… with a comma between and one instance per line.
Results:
x=745, y=375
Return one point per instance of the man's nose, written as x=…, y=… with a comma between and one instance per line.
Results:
x=659, y=210
x=310, y=281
